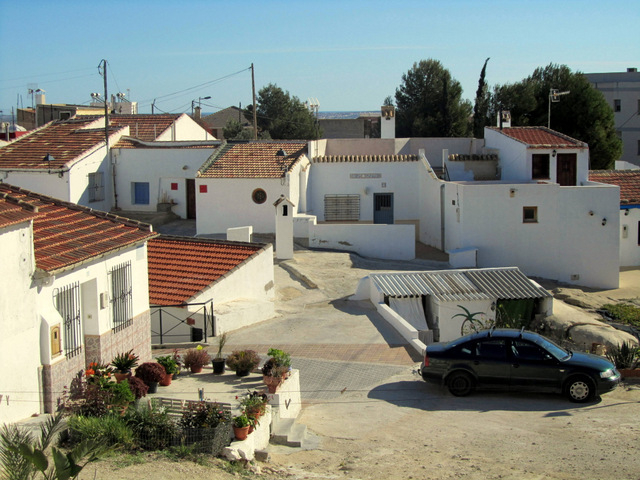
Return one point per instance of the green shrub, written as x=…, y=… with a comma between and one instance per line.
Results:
x=152, y=427
x=624, y=313
x=108, y=430
x=624, y=356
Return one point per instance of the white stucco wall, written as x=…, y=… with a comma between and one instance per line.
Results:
x=393, y=242
x=160, y=167
x=630, y=237
x=94, y=280
x=19, y=384
x=444, y=313
x=399, y=178
x=228, y=203
x=184, y=128
x=567, y=243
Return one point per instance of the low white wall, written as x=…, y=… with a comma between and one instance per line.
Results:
x=257, y=440
x=240, y=234
x=404, y=328
x=629, y=235
x=391, y=242
x=287, y=402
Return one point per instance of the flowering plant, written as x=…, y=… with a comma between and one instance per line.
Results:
x=124, y=362
x=98, y=373
x=254, y=404
x=150, y=372
x=243, y=360
x=196, y=357
x=203, y=415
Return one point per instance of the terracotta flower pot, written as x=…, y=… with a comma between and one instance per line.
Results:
x=272, y=383
x=120, y=376
x=195, y=368
x=241, y=433
x=166, y=381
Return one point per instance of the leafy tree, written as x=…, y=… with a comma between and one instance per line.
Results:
x=429, y=103
x=481, y=107
x=234, y=130
x=388, y=101
x=582, y=114
x=282, y=116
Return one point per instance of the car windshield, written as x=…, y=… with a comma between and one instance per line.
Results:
x=555, y=350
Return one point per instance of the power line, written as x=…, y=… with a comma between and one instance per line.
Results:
x=45, y=74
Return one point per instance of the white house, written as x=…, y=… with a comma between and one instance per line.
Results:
x=541, y=213
x=428, y=306
x=200, y=287
x=151, y=173
x=629, y=183
x=68, y=159
x=238, y=184
x=75, y=292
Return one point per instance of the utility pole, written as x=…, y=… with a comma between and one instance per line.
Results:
x=255, y=114
x=103, y=63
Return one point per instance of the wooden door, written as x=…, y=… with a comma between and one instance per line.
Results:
x=567, y=169
x=191, y=198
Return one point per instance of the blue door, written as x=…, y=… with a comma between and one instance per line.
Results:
x=141, y=193
x=383, y=208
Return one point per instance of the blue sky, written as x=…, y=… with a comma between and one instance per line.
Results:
x=348, y=54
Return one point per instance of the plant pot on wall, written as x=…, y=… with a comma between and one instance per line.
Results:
x=241, y=433
x=166, y=381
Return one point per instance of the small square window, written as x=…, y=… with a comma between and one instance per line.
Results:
x=203, y=189
x=529, y=214
x=174, y=186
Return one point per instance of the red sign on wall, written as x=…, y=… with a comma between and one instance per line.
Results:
x=174, y=186
x=203, y=189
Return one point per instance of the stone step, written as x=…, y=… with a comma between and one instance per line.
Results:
x=289, y=433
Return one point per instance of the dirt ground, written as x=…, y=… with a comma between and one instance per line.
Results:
x=405, y=428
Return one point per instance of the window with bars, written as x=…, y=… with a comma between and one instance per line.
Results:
x=67, y=302
x=96, y=187
x=121, y=297
x=343, y=208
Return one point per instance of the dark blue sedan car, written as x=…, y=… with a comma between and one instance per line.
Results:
x=518, y=360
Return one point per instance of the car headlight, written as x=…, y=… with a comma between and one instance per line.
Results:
x=608, y=373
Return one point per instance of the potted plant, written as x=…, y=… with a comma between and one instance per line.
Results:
x=253, y=405
x=218, y=360
x=241, y=426
x=276, y=369
x=137, y=387
x=243, y=361
x=170, y=367
x=196, y=358
x=626, y=358
x=123, y=363
x=151, y=373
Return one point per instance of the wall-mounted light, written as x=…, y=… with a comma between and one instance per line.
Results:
x=626, y=212
x=604, y=221
x=186, y=167
x=591, y=212
x=554, y=153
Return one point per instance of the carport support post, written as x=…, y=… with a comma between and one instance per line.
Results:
x=160, y=311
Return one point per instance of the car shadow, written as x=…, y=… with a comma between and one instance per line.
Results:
x=431, y=397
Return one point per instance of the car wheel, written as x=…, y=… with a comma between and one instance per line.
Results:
x=580, y=389
x=460, y=384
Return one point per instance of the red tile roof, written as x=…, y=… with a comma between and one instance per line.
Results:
x=66, y=234
x=13, y=210
x=130, y=142
x=180, y=267
x=627, y=180
x=65, y=140
x=540, y=137
x=145, y=127
x=253, y=160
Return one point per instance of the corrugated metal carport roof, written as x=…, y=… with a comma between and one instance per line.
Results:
x=455, y=285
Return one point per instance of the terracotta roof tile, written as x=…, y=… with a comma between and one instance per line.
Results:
x=65, y=234
x=365, y=158
x=14, y=210
x=540, y=137
x=253, y=160
x=180, y=267
x=627, y=180
x=64, y=140
x=145, y=127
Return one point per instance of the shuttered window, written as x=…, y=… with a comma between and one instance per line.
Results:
x=342, y=208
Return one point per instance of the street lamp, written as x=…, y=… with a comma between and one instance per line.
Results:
x=554, y=97
x=199, y=99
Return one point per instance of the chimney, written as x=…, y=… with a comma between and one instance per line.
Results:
x=632, y=70
x=196, y=113
x=387, y=121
